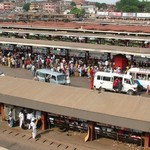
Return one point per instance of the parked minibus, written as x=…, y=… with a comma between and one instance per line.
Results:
x=47, y=75
x=141, y=76
x=114, y=82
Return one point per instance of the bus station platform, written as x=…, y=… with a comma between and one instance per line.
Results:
x=53, y=138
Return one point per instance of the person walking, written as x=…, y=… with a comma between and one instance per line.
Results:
x=148, y=89
x=10, y=118
x=29, y=118
x=21, y=118
x=91, y=78
x=33, y=125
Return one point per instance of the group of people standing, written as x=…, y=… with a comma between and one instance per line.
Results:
x=117, y=84
x=26, y=121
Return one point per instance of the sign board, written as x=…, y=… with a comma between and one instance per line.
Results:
x=125, y=14
x=143, y=15
x=116, y=14
x=102, y=13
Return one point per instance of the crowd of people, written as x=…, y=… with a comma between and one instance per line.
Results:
x=54, y=62
x=27, y=120
x=69, y=65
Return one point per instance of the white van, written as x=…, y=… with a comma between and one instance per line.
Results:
x=141, y=77
x=46, y=75
x=105, y=81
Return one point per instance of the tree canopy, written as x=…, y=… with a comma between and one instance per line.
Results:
x=101, y=5
x=26, y=6
x=133, y=6
x=77, y=12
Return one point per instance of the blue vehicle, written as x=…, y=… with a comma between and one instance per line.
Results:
x=47, y=75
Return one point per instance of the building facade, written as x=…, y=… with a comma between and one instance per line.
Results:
x=51, y=7
x=7, y=6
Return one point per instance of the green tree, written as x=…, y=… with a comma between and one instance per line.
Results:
x=101, y=5
x=26, y=6
x=77, y=12
x=98, y=5
x=122, y=4
x=147, y=7
x=82, y=13
x=104, y=5
x=141, y=6
x=128, y=8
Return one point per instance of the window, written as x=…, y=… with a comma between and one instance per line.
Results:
x=53, y=77
x=60, y=77
x=106, y=78
x=41, y=74
x=127, y=81
x=141, y=76
x=98, y=77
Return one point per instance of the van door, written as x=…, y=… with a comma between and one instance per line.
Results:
x=126, y=84
x=97, y=81
x=107, y=82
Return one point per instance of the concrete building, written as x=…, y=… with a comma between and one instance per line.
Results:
x=7, y=6
x=51, y=7
x=91, y=9
x=35, y=6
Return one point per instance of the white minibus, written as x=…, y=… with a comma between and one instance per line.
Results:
x=106, y=81
x=141, y=76
x=46, y=75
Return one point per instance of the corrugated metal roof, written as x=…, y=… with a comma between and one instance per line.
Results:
x=111, y=108
x=76, y=34
x=78, y=46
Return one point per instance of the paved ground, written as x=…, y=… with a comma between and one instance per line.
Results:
x=23, y=73
x=52, y=139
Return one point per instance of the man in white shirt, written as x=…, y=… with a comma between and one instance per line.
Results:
x=29, y=118
x=33, y=125
x=21, y=118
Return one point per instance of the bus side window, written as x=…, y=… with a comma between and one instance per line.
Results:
x=144, y=76
x=138, y=76
x=141, y=76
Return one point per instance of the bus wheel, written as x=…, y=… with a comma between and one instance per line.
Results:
x=130, y=92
